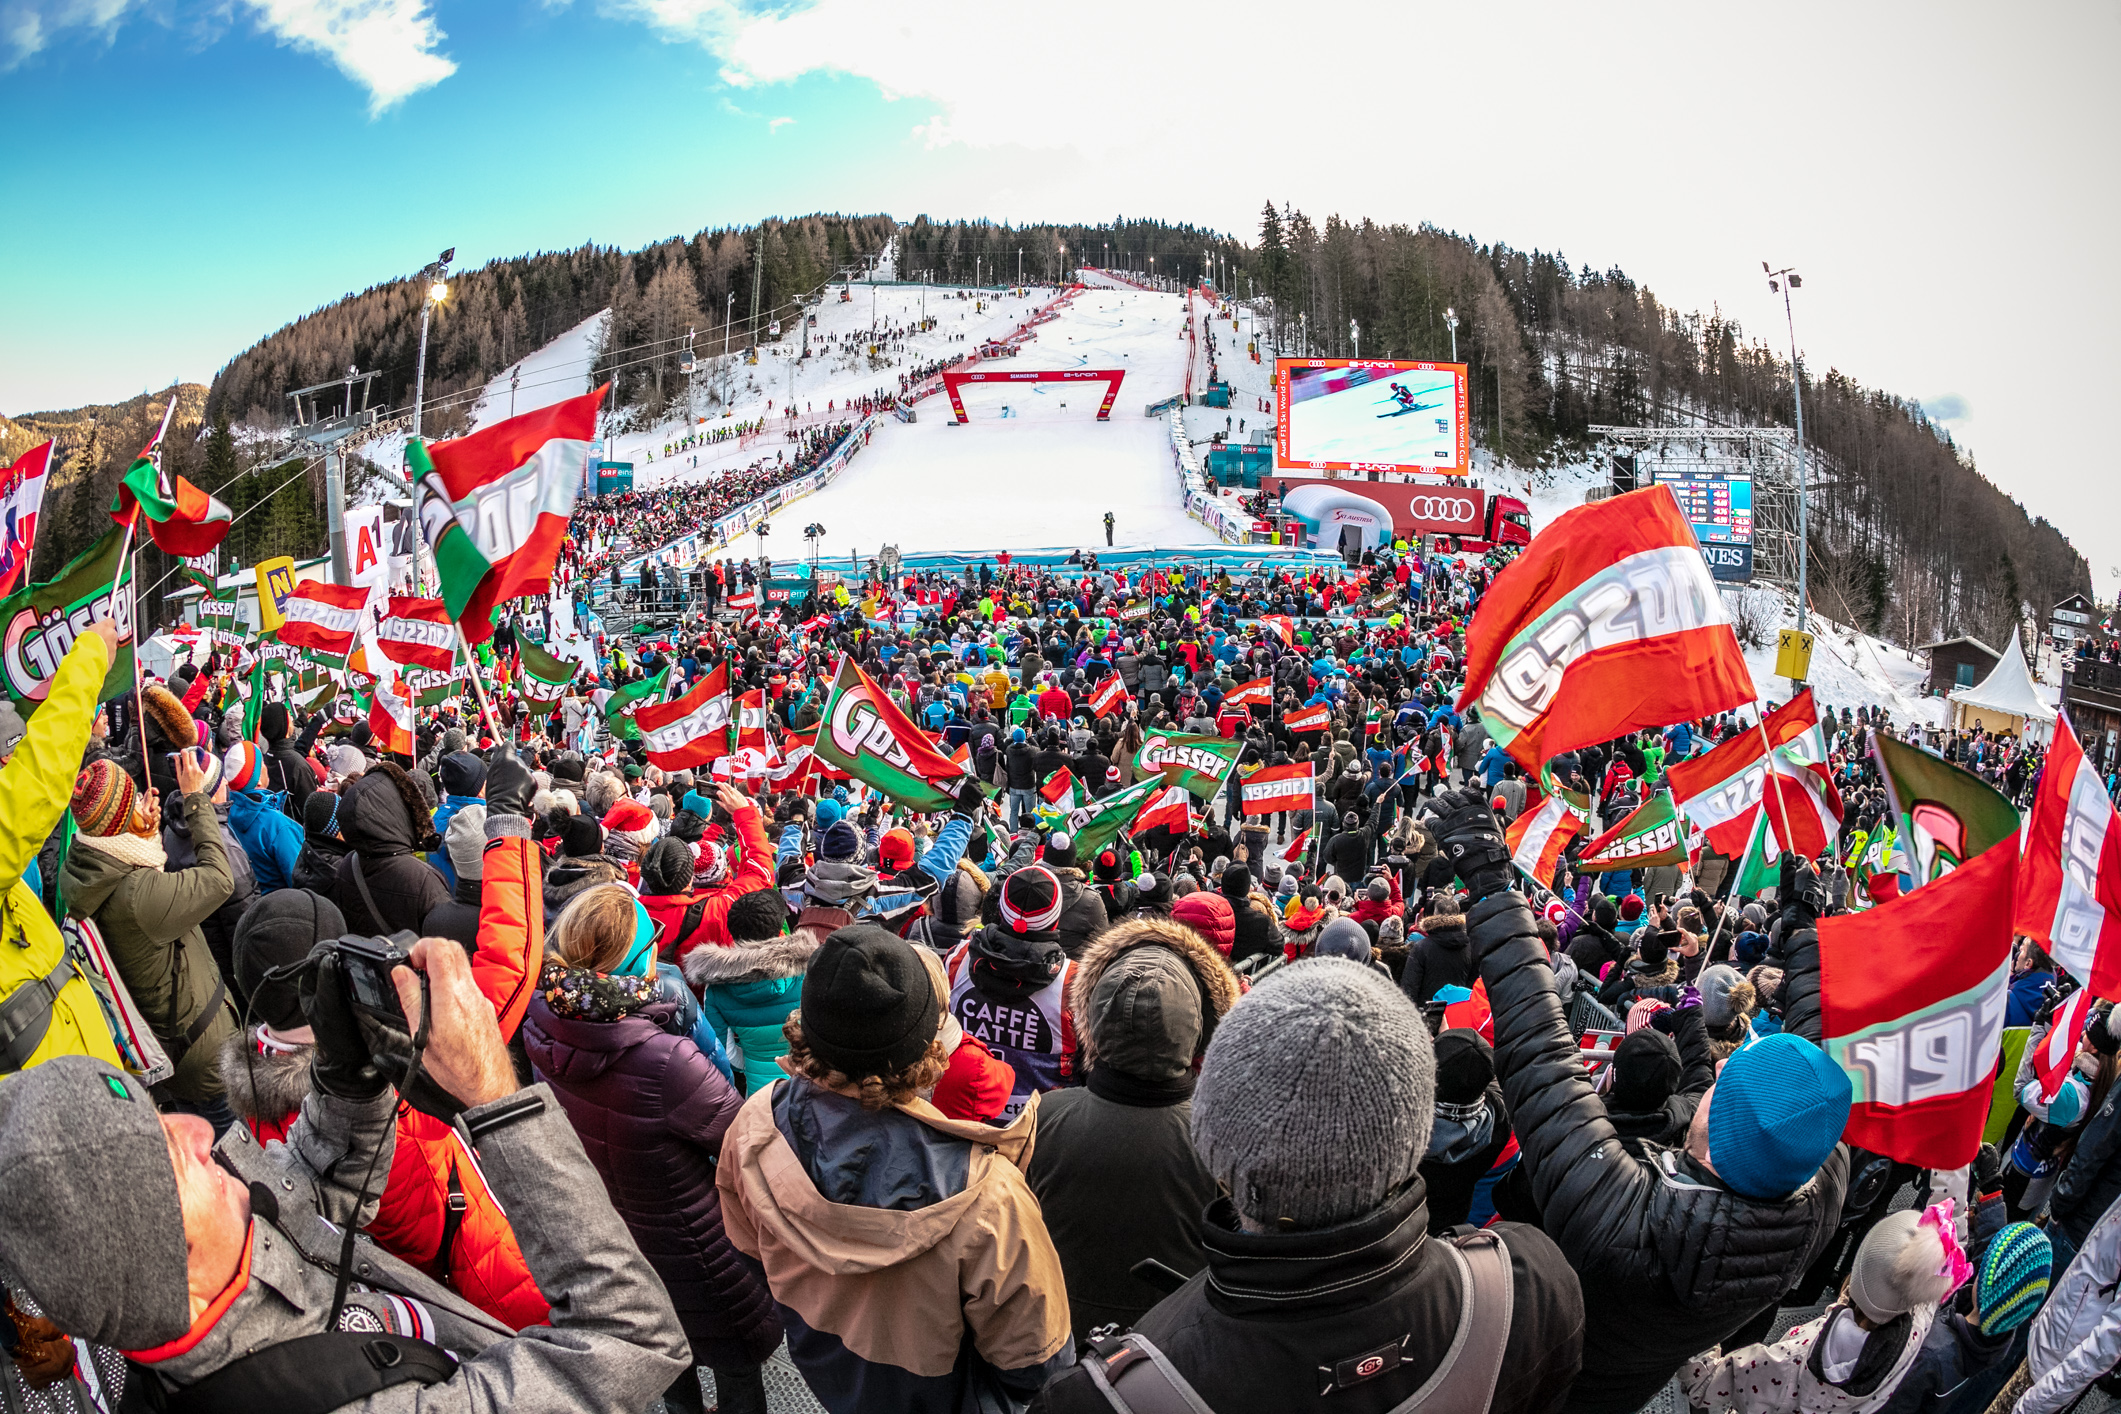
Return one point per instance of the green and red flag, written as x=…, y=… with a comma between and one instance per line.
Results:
x=1608, y=621
x=864, y=733
x=1912, y=997
x=1060, y=790
x=1199, y=762
x=1170, y=808
x=180, y=518
x=1944, y=816
x=1106, y=818
x=41, y=621
x=494, y=505
x=543, y=680
x=1648, y=837
x=619, y=708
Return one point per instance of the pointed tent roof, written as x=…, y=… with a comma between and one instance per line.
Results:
x=2008, y=688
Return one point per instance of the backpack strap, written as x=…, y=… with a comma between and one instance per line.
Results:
x=26, y=1015
x=310, y=1374
x=1137, y=1378
x=453, y=1209
x=1465, y=1381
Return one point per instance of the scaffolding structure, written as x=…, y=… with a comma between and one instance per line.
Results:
x=1768, y=455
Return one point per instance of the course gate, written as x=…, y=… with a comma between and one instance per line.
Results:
x=1111, y=376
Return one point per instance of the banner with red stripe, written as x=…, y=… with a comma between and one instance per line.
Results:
x=323, y=617
x=1720, y=791
x=1273, y=789
x=2069, y=883
x=1257, y=693
x=1309, y=719
x=418, y=632
x=692, y=730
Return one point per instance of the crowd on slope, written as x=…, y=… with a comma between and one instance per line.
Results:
x=962, y=1113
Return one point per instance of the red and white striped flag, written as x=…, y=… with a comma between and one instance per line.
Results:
x=748, y=599
x=691, y=731
x=1058, y=787
x=1110, y=696
x=418, y=632
x=1309, y=719
x=2058, y=1048
x=2069, y=881
x=324, y=617
x=1607, y=622
x=1170, y=809
x=1537, y=837
x=751, y=731
x=1282, y=625
x=1257, y=693
x=1720, y=791
x=1273, y=789
x=390, y=715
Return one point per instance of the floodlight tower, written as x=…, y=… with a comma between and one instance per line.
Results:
x=437, y=277
x=1782, y=282
x=1450, y=319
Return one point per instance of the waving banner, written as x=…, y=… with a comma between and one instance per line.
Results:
x=42, y=621
x=1649, y=836
x=866, y=735
x=1199, y=763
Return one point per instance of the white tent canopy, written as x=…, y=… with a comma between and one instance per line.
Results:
x=2007, y=691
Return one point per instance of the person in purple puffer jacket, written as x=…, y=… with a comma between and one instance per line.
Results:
x=651, y=1109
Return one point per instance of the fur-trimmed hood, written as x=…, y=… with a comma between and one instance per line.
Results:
x=789, y=955
x=165, y=712
x=1219, y=985
x=263, y=1086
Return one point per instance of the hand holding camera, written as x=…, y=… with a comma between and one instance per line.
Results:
x=404, y=1011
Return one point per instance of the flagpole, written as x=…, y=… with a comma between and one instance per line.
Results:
x=132, y=578
x=478, y=689
x=1767, y=764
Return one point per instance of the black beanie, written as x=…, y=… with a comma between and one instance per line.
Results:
x=1060, y=850
x=1645, y=1072
x=272, y=721
x=317, y=813
x=1656, y=946
x=283, y=926
x=1237, y=883
x=667, y=867
x=868, y=1005
x=463, y=774
x=580, y=837
x=1604, y=913
x=1465, y=1063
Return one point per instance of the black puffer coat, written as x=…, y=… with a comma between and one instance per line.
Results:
x=1437, y=958
x=1278, y=1315
x=1672, y=1261
x=383, y=821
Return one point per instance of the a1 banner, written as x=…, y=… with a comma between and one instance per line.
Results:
x=1274, y=789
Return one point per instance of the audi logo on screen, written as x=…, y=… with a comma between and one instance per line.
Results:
x=1450, y=510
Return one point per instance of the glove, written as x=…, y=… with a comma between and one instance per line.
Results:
x=2052, y=996
x=341, y=1065
x=1802, y=894
x=1689, y=996
x=1472, y=841
x=508, y=783
x=970, y=798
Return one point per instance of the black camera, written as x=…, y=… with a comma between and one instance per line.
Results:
x=366, y=963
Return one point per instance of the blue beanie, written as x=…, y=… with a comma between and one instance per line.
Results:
x=840, y=841
x=1775, y=1113
x=1750, y=950
x=698, y=804
x=829, y=813
x=1016, y=734
x=2012, y=1282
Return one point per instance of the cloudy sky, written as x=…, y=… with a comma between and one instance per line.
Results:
x=188, y=176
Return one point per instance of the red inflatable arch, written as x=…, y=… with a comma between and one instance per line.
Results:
x=1111, y=376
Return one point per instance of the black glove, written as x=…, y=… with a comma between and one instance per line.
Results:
x=1988, y=1168
x=341, y=1065
x=1801, y=894
x=970, y=798
x=1472, y=840
x=2052, y=996
x=508, y=783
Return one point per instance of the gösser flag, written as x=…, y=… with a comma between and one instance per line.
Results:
x=418, y=632
x=1278, y=788
x=40, y=622
x=2069, y=882
x=1721, y=790
x=1648, y=837
x=324, y=618
x=691, y=731
x=866, y=735
x=1199, y=763
x=494, y=505
x=1609, y=621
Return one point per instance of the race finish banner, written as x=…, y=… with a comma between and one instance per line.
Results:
x=43, y=620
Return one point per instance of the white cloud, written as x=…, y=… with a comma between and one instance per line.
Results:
x=386, y=46
x=777, y=124
x=26, y=26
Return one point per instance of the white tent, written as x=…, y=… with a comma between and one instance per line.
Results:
x=2005, y=700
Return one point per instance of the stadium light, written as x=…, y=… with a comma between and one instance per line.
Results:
x=437, y=274
x=1782, y=282
x=1450, y=319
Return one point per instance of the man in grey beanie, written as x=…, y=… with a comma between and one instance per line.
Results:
x=205, y=1261
x=1312, y=1113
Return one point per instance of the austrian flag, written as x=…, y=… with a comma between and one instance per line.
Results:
x=494, y=505
x=691, y=731
x=418, y=632
x=1309, y=719
x=1537, y=838
x=325, y=618
x=2069, y=883
x=1257, y=693
x=1277, y=788
x=390, y=718
x=1110, y=696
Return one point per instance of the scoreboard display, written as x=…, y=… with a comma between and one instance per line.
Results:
x=1720, y=508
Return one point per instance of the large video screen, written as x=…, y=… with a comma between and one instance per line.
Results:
x=1720, y=508
x=1344, y=414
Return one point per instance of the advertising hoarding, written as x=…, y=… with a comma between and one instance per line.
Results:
x=1344, y=414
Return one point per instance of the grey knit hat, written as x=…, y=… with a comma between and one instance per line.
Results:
x=90, y=1223
x=466, y=842
x=1317, y=1095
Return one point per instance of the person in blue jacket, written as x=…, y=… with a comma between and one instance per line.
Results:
x=2031, y=972
x=463, y=783
x=259, y=818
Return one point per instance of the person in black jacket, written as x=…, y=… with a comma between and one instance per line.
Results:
x=1437, y=956
x=1020, y=763
x=1660, y=1074
x=1472, y=1126
x=1323, y=1289
x=1257, y=934
x=1348, y=852
x=1596, y=944
x=1682, y=1250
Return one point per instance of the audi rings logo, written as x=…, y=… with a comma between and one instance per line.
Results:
x=1449, y=510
